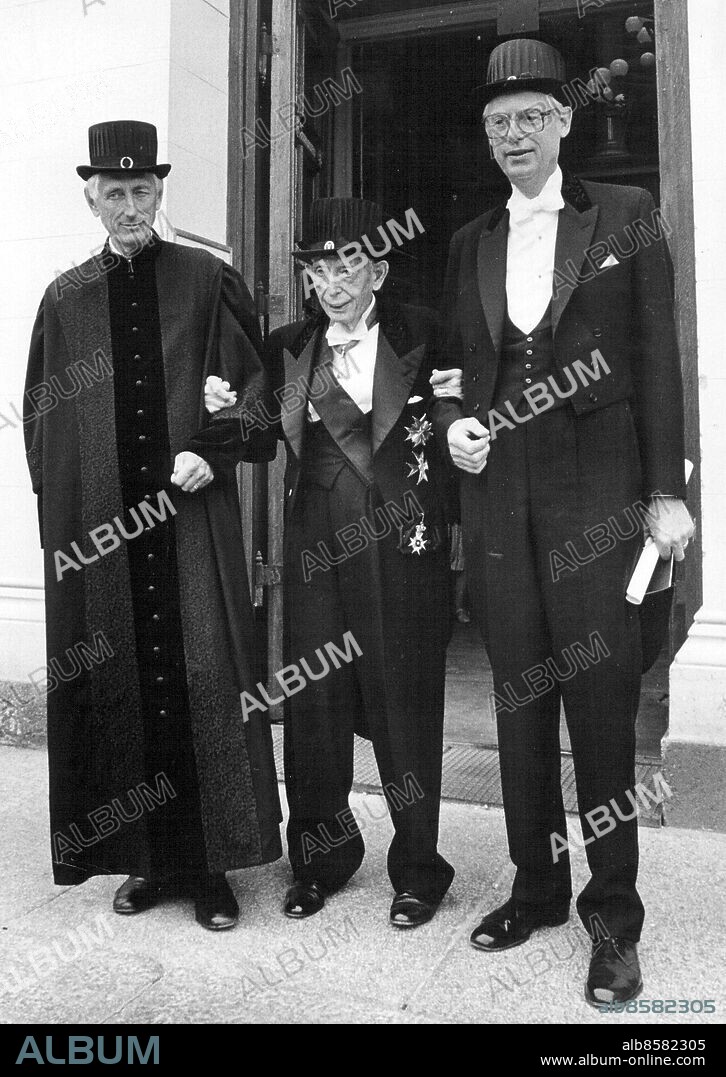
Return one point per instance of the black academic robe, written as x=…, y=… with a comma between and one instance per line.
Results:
x=102, y=794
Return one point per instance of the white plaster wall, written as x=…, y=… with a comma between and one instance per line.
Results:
x=65, y=66
x=698, y=676
x=198, y=103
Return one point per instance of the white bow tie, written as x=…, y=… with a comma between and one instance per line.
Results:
x=523, y=209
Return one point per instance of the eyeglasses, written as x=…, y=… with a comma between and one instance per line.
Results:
x=529, y=122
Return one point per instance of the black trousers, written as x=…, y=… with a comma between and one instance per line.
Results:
x=557, y=631
x=393, y=693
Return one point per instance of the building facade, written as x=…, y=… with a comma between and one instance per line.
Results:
x=262, y=105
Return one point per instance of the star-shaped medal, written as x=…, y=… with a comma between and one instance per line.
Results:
x=418, y=543
x=419, y=468
x=420, y=432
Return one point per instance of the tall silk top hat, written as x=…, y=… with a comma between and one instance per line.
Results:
x=337, y=222
x=127, y=146
x=523, y=64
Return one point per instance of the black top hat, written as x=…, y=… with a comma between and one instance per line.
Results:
x=523, y=64
x=337, y=222
x=128, y=146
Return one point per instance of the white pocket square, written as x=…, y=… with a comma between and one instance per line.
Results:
x=611, y=260
x=415, y=399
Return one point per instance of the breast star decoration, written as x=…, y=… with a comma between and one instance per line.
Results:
x=420, y=468
x=419, y=432
x=417, y=542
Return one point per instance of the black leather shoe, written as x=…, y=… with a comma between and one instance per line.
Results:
x=512, y=924
x=408, y=910
x=304, y=899
x=135, y=895
x=614, y=972
x=215, y=906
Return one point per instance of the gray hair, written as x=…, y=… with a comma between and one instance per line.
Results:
x=92, y=184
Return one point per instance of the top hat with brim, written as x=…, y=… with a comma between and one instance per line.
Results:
x=337, y=223
x=124, y=146
x=520, y=65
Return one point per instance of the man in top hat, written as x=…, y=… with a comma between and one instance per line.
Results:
x=365, y=568
x=561, y=314
x=152, y=770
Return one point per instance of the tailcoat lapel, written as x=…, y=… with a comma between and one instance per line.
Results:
x=574, y=236
x=298, y=371
x=492, y=276
x=393, y=378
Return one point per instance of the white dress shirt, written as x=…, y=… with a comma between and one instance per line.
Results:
x=354, y=367
x=531, y=252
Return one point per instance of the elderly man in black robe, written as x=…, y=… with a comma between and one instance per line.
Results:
x=154, y=771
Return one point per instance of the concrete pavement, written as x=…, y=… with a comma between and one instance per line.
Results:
x=66, y=958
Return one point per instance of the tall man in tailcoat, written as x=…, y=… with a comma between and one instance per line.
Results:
x=152, y=770
x=366, y=561
x=565, y=273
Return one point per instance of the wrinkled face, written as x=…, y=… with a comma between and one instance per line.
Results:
x=528, y=160
x=127, y=207
x=345, y=287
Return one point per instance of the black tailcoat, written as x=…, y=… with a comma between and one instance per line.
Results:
x=563, y=477
x=390, y=592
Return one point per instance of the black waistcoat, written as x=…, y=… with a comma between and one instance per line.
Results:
x=526, y=360
x=323, y=456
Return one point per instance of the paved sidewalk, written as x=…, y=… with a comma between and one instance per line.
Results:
x=65, y=957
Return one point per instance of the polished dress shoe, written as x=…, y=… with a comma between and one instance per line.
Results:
x=614, y=972
x=304, y=899
x=215, y=906
x=408, y=910
x=512, y=924
x=135, y=895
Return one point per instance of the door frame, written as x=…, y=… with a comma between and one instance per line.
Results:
x=676, y=186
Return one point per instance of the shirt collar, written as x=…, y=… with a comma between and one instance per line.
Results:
x=151, y=247
x=336, y=334
x=550, y=197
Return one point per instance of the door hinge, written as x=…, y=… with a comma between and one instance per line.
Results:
x=265, y=576
x=262, y=300
x=265, y=52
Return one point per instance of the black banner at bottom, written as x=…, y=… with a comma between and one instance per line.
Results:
x=611, y=1046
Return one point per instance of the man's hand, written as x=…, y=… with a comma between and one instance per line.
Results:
x=670, y=526
x=191, y=473
x=217, y=395
x=447, y=383
x=469, y=445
